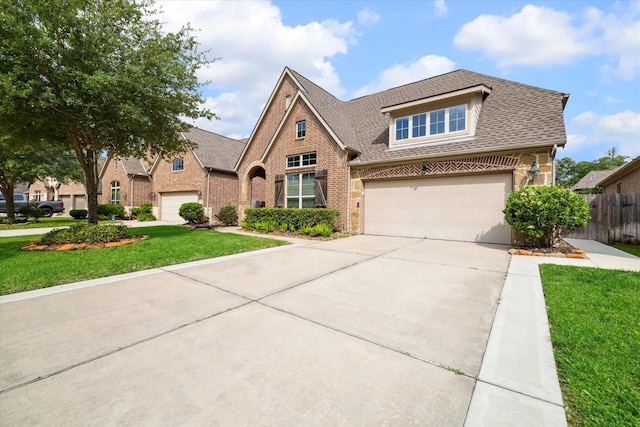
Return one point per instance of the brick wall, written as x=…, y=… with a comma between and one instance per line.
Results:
x=630, y=183
x=223, y=189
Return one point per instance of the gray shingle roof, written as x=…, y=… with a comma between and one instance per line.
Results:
x=591, y=180
x=215, y=151
x=133, y=166
x=513, y=116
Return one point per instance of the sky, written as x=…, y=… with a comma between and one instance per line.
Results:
x=589, y=49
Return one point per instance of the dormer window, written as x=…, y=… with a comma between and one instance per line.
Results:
x=301, y=129
x=439, y=119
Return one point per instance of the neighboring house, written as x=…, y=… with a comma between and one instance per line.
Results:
x=204, y=174
x=625, y=179
x=432, y=159
x=591, y=180
x=125, y=181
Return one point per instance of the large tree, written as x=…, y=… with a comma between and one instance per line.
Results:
x=97, y=76
x=24, y=163
x=568, y=171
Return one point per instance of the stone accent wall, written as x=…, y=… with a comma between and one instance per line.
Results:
x=518, y=163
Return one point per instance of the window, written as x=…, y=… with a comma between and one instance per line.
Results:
x=619, y=187
x=402, y=128
x=419, y=127
x=297, y=160
x=115, y=164
x=301, y=190
x=438, y=122
x=301, y=129
x=115, y=192
x=177, y=165
x=38, y=196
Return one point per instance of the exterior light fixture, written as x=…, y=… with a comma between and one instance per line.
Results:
x=534, y=171
x=199, y=194
x=152, y=196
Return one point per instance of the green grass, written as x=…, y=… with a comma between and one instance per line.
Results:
x=27, y=270
x=595, y=331
x=45, y=223
x=632, y=249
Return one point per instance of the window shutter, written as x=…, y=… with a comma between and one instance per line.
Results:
x=279, y=200
x=321, y=188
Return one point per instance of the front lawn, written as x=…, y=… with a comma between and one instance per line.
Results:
x=27, y=270
x=595, y=331
x=632, y=249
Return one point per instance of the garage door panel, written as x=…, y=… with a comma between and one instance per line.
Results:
x=171, y=202
x=467, y=208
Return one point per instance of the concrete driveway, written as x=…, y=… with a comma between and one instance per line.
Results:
x=364, y=330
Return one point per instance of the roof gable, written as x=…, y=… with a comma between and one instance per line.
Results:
x=214, y=151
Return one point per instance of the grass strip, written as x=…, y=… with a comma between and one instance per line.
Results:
x=595, y=331
x=631, y=249
x=28, y=270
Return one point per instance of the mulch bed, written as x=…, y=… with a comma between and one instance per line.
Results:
x=36, y=246
x=563, y=250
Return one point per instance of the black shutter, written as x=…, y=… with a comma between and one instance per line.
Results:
x=321, y=188
x=279, y=200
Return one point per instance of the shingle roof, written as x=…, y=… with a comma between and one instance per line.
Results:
x=215, y=151
x=133, y=166
x=513, y=116
x=591, y=179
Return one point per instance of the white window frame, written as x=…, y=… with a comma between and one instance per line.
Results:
x=412, y=126
x=115, y=190
x=301, y=129
x=302, y=160
x=175, y=162
x=300, y=197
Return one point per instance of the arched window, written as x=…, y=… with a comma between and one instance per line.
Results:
x=115, y=192
x=177, y=165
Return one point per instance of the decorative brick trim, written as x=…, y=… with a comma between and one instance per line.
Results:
x=443, y=167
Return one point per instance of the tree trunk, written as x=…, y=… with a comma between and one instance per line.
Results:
x=88, y=158
x=8, y=195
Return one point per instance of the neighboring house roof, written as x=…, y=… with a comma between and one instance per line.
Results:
x=621, y=171
x=591, y=180
x=513, y=116
x=215, y=151
x=21, y=188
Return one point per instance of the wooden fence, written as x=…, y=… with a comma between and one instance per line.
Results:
x=615, y=218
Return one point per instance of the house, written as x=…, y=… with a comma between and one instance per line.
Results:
x=125, y=181
x=204, y=174
x=432, y=159
x=625, y=179
x=591, y=180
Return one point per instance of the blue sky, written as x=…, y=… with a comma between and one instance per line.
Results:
x=589, y=49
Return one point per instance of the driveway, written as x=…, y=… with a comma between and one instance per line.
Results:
x=364, y=330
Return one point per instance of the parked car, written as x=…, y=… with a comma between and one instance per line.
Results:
x=48, y=207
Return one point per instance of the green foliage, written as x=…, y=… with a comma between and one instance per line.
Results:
x=78, y=213
x=85, y=233
x=546, y=213
x=146, y=217
x=192, y=212
x=227, y=215
x=111, y=211
x=97, y=76
x=569, y=172
x=596, y=342
x=30, y=210
x=144, y=212
x=301, y=220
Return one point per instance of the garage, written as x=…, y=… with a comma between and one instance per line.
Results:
x=463, y=208
x=170, y=204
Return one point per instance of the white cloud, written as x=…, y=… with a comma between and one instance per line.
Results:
x=254, y=46
x=602, y=132
x=439, y=8
x=368, y=17
x=425, y=67
x=536, y=35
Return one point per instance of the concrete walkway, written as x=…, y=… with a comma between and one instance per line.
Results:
x=358, y=331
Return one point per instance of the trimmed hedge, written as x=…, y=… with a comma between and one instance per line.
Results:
x=78, y=213
x=192, y=212
x=143, y=212
x=227, y=215
x=306, y=220
x=84, y=233
x=110, y=211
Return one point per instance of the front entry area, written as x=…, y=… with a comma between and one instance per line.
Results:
x=463, y=208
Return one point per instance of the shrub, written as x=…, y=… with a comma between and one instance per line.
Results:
x=30, y=210
x=111, y=211
x=227, y=215
x=546, y=213
x=192, y=212
x=322, y=230
x=146, y=217
x=84, y=233
x=78, y=213
x=145, y=208
x=300, y=220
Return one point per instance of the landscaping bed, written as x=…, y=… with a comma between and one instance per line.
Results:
x=562, y=250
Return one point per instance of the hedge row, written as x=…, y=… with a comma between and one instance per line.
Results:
x=111, y=211
x=298, y=220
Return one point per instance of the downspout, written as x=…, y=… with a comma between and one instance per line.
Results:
x=208, y=187
x=131, y=191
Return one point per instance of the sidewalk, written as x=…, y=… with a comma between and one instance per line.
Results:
x=518, y=382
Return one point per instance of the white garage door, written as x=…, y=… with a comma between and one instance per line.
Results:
x=465, y=208
x=171, y=202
